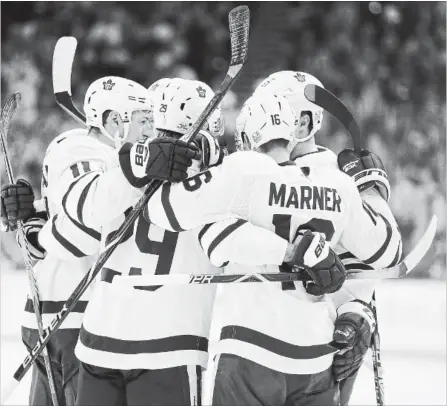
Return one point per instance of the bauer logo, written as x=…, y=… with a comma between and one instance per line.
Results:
x=201, y=91
x=200, y=279
x=108, y=85
x=349, y=166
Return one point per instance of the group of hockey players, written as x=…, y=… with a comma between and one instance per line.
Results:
x=280, y=202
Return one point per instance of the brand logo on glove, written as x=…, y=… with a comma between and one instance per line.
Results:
x=140, y=154
x=201, y=91
x=349, y=166
x=319, y=248
x=299, y=77
x=108, y=85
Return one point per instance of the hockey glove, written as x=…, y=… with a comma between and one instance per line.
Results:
x=211, y=152
x=322, y=264
x=16, y=204
x=163, y=158
x=354, y=327
x=366, y=169
x=31, y=228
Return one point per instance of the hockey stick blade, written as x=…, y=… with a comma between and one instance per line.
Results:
x=8, y=110
x=239, y=25
x=328, y=101
x=63, y=58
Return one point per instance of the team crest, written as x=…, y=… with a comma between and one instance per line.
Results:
x=300, y=77
x=256, y=137
x=201, y=91
x=108, y=85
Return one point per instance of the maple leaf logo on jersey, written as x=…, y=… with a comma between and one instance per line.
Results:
x=300, y=78
x=256, y=137
x=108, y=85
x=201, y=91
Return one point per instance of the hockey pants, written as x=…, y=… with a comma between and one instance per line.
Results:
x=240, y=382
x=178, y=386
x=346, y=388
x=65, y=367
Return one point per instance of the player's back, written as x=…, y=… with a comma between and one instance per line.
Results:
x=69, y=248
x=280, y=325
x=159, y=327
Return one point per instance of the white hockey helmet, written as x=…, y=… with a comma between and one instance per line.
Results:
x=118, y=94
x=291, y=84
x=154, y=92
x=263, y=118
x=179, y=102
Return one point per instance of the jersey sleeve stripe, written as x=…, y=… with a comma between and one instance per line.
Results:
x=70, y=194
x=347, y=255
x=385, y=245
x=64, y=242
x=203, y=231
x=370, y=212
x=83, y=197
x=397, y=257
x=358, y=266
x=90, y=231
x=224, y=234
x=167, y=207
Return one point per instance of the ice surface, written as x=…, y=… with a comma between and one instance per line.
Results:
x=412, y=322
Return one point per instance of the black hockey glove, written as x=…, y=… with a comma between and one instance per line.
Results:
x=366, y=169
x=211, y=151
x=164, y=158
x=16, y=204
x=353, y=330
x=322, y=264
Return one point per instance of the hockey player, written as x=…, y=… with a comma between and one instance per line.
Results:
x=370, y=177
x=151, y=345
x=62, y=245
x=144, y=347
x=251, y=186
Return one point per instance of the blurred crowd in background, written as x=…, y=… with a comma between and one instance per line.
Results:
x=385, y=60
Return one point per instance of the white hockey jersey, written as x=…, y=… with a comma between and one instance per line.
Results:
x=126, y=328
x=70, y=247
x=281, y=327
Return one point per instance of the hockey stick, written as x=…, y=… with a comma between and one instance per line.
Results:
x=328, y=101
x=63, y=57
x=399, y=271
x=325, y=99
x=239, y=21
x=8, y=110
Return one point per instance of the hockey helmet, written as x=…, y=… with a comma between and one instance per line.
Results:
x=263, y=118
